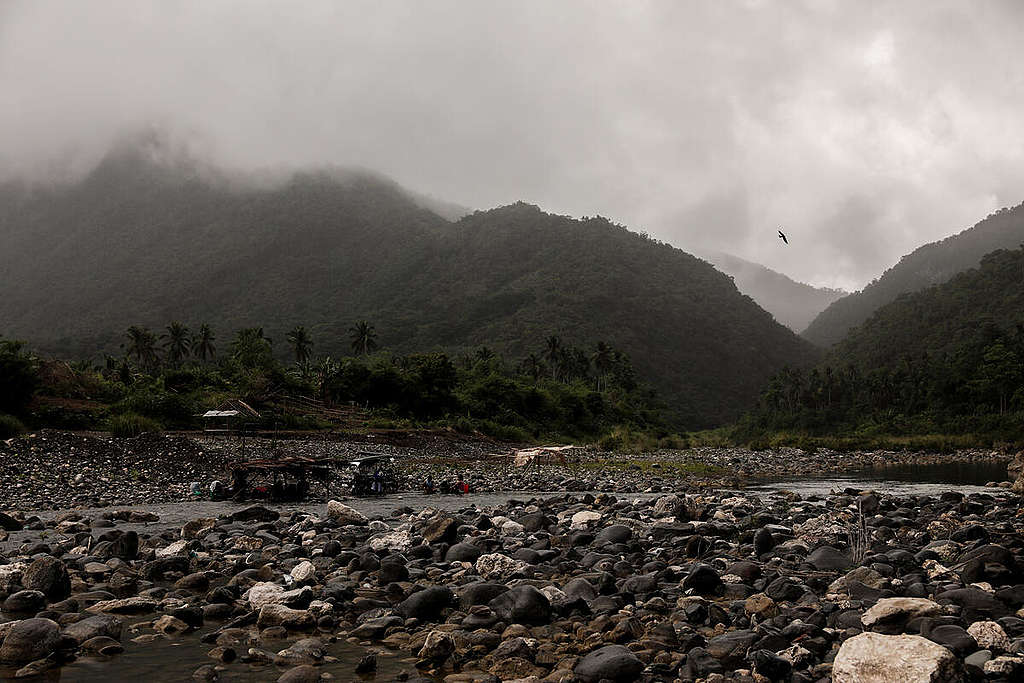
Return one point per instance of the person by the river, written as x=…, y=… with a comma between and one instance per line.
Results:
x=428, y=485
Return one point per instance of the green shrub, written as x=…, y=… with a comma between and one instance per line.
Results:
x=10, y=426
x=130, y=424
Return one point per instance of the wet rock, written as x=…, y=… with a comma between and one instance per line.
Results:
x=24, y=602
x=441, y=528
x=479, y=593
x=291, y=619
x=828, y=558
x=367, y=664
x=462, y=552
x=953, y=637
x=438, y=646
x=609, y=663
x=169, y=625
x=878, y=658
x=731, y=648
x=8, y=523
x=98, y=626
x=770, y=665
x=102, y=645
x=522, y=605
x=29, y=640
x=304, y=673
x=268, y=593
x=702, y=579
x=764, y=541
x=136, y=605
x=616, y=533
x=427, y=604
x=700, y=664
x=49, y=576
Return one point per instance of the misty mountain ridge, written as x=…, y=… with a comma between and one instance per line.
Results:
x=928, y=265
x=794, y=304
x=140, y=242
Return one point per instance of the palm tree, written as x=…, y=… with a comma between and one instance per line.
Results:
x=251, y=348
x=603, y=359
x=553, y=353
x=202, y=343
x=301, y=343
x=532, y=366
x=484, y=354
x=363, y=337
x=142, y=345
x=326, y=369
x=177, y=343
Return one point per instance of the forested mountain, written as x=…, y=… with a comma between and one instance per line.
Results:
x=140, y=242
x=949, y=358
x=794, y=304
x=928, y=265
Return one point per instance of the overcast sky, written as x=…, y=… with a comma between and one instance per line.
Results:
x=864, y=128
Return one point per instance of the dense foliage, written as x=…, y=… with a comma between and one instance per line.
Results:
x=140, y=242
x=928, y=265
x=561, y=390
x=948, y=359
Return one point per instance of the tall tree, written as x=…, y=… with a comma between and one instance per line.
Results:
x=176, y=342
x=553, y=353
x=532, y=366
x=364, y=338
x=301, y=343
x=603, y=360
x=252, y=349
x=202, y=343
x=142, y=345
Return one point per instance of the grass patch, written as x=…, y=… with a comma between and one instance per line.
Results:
x=130, y=424
x=10, y=426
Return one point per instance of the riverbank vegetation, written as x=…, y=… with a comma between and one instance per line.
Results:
x=166, y=380
x=943, y=367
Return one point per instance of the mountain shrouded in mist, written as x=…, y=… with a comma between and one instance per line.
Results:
x=140, y=241
x=794, y=304
x=928, y=265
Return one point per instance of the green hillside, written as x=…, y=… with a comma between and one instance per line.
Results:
x=928, y=265
x=139, y=242
x=947, y=359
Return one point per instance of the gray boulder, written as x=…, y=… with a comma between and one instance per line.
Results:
x=609, y=663
x=29, y=640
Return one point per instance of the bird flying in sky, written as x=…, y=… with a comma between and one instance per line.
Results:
x=783, y=236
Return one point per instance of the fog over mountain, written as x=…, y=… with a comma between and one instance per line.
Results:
x=865, y=129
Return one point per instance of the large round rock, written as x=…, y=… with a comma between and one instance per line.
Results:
x=29, y=640
x=878, y=658
x=609, y=663
x=49, y=576
x=522, y=605
x=427, y=604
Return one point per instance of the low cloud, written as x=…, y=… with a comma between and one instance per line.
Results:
x=863, y=129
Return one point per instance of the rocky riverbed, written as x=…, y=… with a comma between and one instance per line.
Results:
x=55, y=469
x=855, y=586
